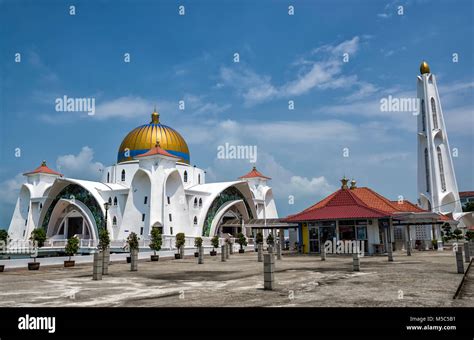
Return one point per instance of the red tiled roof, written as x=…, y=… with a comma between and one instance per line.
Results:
x=156, y=151
x=254, y=173
x=43, y=169
x=344, y=203
x=463, y=194
x=407, y=206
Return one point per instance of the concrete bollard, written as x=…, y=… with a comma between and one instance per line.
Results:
x=97, y=266
x=459, y=261
x=227, y=251
x=200, y=257
x=260, y=252
x=467, y=252
x=270, y=249
x=278, y=245
x=323, y=253
x=134, y=260
x=106, y=261
x=408, y=248
x=231, y=248
x=355, y=262
x=223, y=253
x=268, y=271
x=390, y=252
x=440, y=245
x=181, y=252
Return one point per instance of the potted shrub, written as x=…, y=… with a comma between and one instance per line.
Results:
x=197, y=244
x=3, y=238
x=155, y=243
x=270, y=240
x=180, y=241
x=215, y=244
x=258, y=240
x=38, y=236
x=132, y=242
x=71, y=249
x=242, y=240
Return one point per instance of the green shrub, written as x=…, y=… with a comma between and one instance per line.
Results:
x=156, y=240
x=242, y=240
x=104, y=239
x=180, y=240
x=3, y=235
x=215, y=242
x=270, y=239
x=259, y=238
x=38, y=236
x=198, y=242
x=132, y=241
x=469, y=235
x=72, y=247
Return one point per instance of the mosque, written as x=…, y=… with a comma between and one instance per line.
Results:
x=152, y=185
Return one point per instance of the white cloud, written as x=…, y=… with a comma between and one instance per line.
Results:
x=10, y=189
x=125, y=107
x=81, y=165
x=316, y=186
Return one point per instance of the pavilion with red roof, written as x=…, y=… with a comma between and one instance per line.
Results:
x=361, y=214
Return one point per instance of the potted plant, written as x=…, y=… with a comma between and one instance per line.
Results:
x=258, y=240
x=38, y=236
x=132, y=242
x=71, y=249
x=3, y=239
x=215, y=244
x=180, y=241
x=155, y=243
x=270, y=240
x=197, y=244
x=242, y=240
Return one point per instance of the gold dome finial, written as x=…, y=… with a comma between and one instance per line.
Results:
x=155, y=117
x=353, y=184
x=424, y=67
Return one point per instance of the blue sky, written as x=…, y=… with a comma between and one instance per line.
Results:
x=190, y=58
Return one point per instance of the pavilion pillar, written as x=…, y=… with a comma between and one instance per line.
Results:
x=459, y=262
x=467, y=252
x=260, y=252
x=408, y=238
x=282, y=238
x=223, y=253
x=389, y=244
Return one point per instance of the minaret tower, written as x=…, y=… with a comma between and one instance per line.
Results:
x=437, y=187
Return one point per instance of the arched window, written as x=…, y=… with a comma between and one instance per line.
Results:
x=423, y=114
x=41, y=205
x=427, y=171
x=185, y=176
x=108, y=177
x=115, y=200
x=110, y=200
x=435, y=116
x=123, y=175
x=195, y=220
x=441, y=169
x=200, y=202
x=114, y=221
x=195, y=202
x=199, y=179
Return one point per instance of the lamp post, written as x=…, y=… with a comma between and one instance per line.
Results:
x=106, y=206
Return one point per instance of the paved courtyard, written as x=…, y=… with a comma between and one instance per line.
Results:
x=424, y=279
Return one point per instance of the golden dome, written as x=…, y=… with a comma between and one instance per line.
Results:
x=424, y=67
x=145, y=137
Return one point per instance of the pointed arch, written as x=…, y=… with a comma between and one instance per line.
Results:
x=433, y=112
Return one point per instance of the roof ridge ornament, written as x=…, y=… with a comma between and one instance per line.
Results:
x=344, y=181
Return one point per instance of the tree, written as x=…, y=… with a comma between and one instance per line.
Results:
x=3, y=235
x=156, y=240
x=215, y=242
x=104, y=239
x=270, y=239
x=242, y=240
x=446, y=232
x=132, y=241
x=39, y=236
x=457, y=234
x=469, y=206
x=72, y=247
x=259, y=238
x=180, y=240
x=469, y=235
x=198, y=242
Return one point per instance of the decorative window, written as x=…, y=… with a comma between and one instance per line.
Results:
x=168, y=199
x=195, y=220
x=110, y=200
x=200, y=202
x=199, y=179
x=123, y=175
x=108, y=177
x=41, y=205
x=141, y=231
x=435, y=116
x=423, y=114
x=195, y=202
x=185, y=176
x=114, y=221
x=441, y=169
x=427, y=171
x=170, y=217
x=145, y=200
x=115, y=200
x=143, y=217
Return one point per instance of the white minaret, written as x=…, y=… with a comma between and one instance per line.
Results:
x=437, y=187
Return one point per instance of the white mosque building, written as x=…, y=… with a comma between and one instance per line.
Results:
x=152, y=185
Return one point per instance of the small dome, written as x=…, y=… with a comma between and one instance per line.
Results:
x=424, y=67
x=145, y=137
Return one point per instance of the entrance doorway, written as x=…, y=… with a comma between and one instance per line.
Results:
x=313, y=238
x=74, y=226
